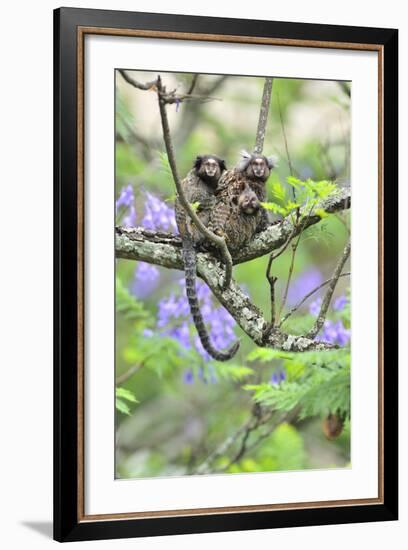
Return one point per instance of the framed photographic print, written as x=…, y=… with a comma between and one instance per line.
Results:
x=225, y=274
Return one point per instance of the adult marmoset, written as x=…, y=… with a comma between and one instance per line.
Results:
x=228, y=219
x=199, y=188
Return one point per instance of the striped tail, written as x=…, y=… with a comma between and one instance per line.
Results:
x=190, y=267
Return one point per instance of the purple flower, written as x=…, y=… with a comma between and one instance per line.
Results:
x=145, y=279
x=158, y=215
x=315, y=306
x=181, y=334
x=148, y=333
x=126, y=201
x=188, y=376
x=335, y=333
x=167, y=309
x=277, y=378
x=126, y=197
x=303, y=284
x=130, y=219
x=340, y=302
x=174, y=320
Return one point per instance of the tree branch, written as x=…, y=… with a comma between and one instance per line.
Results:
x=193, y=83
x=165, y=249
x=329, y=293
x=263, y=116
x=307, y=296
x=167, y=97
x=219, y=242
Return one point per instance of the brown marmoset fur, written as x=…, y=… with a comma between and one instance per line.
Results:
x=228, y=217
x=199, y=186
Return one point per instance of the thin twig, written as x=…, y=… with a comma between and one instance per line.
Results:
x=286, y=417
x=285, y=139
x=272, y=280
x=250, y=426
x=219, y=242
x=122, y=378
x=193, y=83
x=306, y=297
x=263, y=116
x=136, y=84
x=290, y=273
x=168, y=97
x=329, y=293
x=205, y=467
x=345, y=86
x=189, y=118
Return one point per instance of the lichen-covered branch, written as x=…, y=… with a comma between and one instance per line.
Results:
x=165, y=249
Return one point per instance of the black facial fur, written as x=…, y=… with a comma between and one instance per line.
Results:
x=255, y=167
x=209, y=168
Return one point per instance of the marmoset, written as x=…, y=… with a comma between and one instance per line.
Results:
x=228, y=218
x=199, y=187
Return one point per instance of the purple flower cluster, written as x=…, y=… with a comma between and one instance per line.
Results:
x=145, y=280
x=340, y=302
x=303, y=284
x=126, y=197
x=335, y=333
x=277, y=378
x=174, y=320
x=188, y=375
x=158, y=215
x=126, y=200
x=315, y=306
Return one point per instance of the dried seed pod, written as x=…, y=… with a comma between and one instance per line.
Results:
x=332, y=426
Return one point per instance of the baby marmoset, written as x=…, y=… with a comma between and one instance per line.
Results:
x=237, y=214
x=199, y=186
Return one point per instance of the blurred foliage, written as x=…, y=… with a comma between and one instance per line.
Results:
x=174, y=406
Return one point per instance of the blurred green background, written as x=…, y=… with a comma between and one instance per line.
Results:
x=175, y=407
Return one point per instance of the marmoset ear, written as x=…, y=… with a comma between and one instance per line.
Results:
x=198, y=161
x=272, y=162
x=243, y=163
x=222, y=164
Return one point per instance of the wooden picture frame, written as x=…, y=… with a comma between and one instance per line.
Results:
x=71, y=26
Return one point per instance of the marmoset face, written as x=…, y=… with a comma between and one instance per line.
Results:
x=259, y=167
x=248, y=202
x=211, y=167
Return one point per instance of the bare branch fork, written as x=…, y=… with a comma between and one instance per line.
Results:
x=307, y=296
x=329, y=293
x=168, y=97
x=257, y=420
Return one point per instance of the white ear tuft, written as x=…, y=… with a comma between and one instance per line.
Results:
x=244, y=154
x=272, y=161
